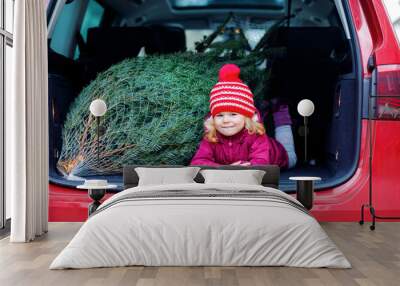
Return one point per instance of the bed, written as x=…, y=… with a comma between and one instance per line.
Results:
x=201, y=224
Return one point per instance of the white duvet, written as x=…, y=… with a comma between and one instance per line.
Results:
x=219, y=231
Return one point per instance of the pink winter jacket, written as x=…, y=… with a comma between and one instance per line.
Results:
x=256, y=149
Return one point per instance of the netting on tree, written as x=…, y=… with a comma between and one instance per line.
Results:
x=156, y=106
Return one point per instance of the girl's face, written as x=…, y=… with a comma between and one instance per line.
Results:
x=229, y=123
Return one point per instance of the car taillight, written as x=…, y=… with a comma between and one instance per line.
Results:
x=388, y=92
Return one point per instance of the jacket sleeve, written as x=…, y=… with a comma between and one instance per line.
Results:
x=204, y=155
x=259, y=151
x=265, y=151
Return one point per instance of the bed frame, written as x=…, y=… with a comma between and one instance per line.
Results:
x=270, y=179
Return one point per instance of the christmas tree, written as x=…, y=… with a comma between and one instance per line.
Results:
x=156, y=108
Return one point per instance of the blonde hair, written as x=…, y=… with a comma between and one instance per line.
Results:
x=251, y=124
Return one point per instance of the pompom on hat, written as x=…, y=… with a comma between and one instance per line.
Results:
x=230, y=94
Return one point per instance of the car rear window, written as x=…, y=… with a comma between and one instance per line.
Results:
x=393, y=10
x=249, y=4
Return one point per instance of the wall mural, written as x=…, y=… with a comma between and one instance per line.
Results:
x=156, y=106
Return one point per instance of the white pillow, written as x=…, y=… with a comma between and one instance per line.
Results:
x=248, y=177
x=166, y=176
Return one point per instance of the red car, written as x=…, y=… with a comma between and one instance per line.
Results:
x=344, y=55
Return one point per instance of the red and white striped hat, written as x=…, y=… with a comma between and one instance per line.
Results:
x=230, y=94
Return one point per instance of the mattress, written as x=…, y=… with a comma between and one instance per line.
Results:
x=201, y=225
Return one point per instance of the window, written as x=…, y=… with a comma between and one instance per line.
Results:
x=63, y=37
x=6, y=43
x=92, y=18
x=199, y=4
x=70, y=21
x=93, y=15
x=393, y=10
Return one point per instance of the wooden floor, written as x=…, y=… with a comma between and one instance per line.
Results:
x=375, y=257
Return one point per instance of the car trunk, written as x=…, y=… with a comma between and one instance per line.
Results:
x=319, y=66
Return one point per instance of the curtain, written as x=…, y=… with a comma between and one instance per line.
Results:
x=27, y=124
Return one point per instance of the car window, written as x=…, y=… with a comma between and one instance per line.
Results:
x=92, y=18
x=70, y=20
x=192, y=36
x=393, y=10
x=259, y=4
x=63, y=37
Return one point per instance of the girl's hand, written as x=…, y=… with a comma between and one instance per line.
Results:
x=240, y=163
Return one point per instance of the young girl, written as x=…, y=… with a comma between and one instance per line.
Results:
x=234, y=135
